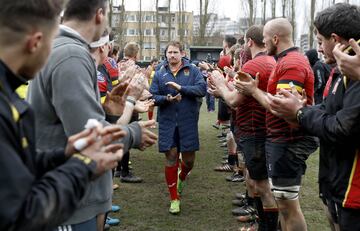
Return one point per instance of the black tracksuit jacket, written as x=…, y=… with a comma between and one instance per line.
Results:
x=337, y=123
x=38, y=190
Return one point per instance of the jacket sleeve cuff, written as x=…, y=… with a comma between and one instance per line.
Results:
x=111, y=118
x=86, y=161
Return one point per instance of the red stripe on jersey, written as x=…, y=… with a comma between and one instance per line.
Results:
x=352, y=195
x=250, y=115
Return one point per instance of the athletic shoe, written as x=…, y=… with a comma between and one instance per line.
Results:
x=112, y=221
x=240, y=196
x=115, y=208
x=246, y=210
x=239, y=202
x=174, y=207
x=223, y=145
x=115, y=186
x=117, y=173
x=235, y=177
x=216, y=126
x=248, y=218
x=106, y=227
x=130, y=178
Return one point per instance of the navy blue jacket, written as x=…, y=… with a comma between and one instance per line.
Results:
x=184, y=114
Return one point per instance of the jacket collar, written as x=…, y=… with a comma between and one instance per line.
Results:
x=69, y=32
x=285, y=52
x=8, y=78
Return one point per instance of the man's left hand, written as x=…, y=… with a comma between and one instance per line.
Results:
x=173, y=85
x=286, y=105
x=115, y=102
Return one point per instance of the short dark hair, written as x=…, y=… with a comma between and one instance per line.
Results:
x=154, y=60
x=342, y=19
x=131, y=49
x=255, y=33
x=175, y=44
x=20, y=16
x=230, y=40
x=83, y=10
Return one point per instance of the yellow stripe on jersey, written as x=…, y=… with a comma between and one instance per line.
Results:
x=287, y=87
x=103, y=99
x=115, y=82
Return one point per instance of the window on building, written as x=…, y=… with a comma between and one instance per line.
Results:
x=131, y=32
x=147, y=58
x=148, y=18
x=149, y=46
x=131, y=18
x=147, y=32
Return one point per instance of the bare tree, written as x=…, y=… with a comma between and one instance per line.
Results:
x=283, y=8
x=157, y=28
x=204, y=20
x=293, y=2
x=119, y=23
x=181, y=22
x=311, y=27
x=264, y=12
x=273, y=8
x=140, y=29
x=169, y=21
x=251, y=12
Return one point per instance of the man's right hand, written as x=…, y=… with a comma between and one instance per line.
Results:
x=100, y=149
x=172, y=99
x=148, y=138
x=136, y=86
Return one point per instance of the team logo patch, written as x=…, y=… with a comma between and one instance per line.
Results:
x=113, y=63
x=186, y=72
x=100, y=77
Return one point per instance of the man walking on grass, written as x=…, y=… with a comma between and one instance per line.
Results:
x=175, y=87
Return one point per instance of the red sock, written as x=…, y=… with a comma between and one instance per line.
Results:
x=150, y=114
x=184, y=171
x=171, y=180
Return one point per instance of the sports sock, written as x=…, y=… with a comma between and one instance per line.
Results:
x=271, y=218
x=260, y=212
x=171, y=180
x=184, y=171
x=232, y=159
x=150, y=115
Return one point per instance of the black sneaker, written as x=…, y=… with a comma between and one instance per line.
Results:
x=217, y=126
x=130, y=178
x=117, y=173
x=235, y=177
x=246, y=210
x=239, y=202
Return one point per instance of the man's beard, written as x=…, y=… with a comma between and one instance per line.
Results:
x=271, y=50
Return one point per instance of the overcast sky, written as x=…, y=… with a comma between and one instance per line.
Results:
x=233, y=8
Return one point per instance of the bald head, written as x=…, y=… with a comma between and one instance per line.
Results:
x=280, y=27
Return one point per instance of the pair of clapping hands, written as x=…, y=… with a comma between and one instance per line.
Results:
x=284, y=104
x=134, y=87
x=96, y=143
x=349, y=65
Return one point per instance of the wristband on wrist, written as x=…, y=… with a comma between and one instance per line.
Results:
x=131, y=100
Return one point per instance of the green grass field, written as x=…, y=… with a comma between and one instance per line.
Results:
x=206, y=200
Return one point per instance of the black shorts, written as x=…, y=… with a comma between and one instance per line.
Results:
x=255, y=159
x=223, y=112
x=286, y=161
